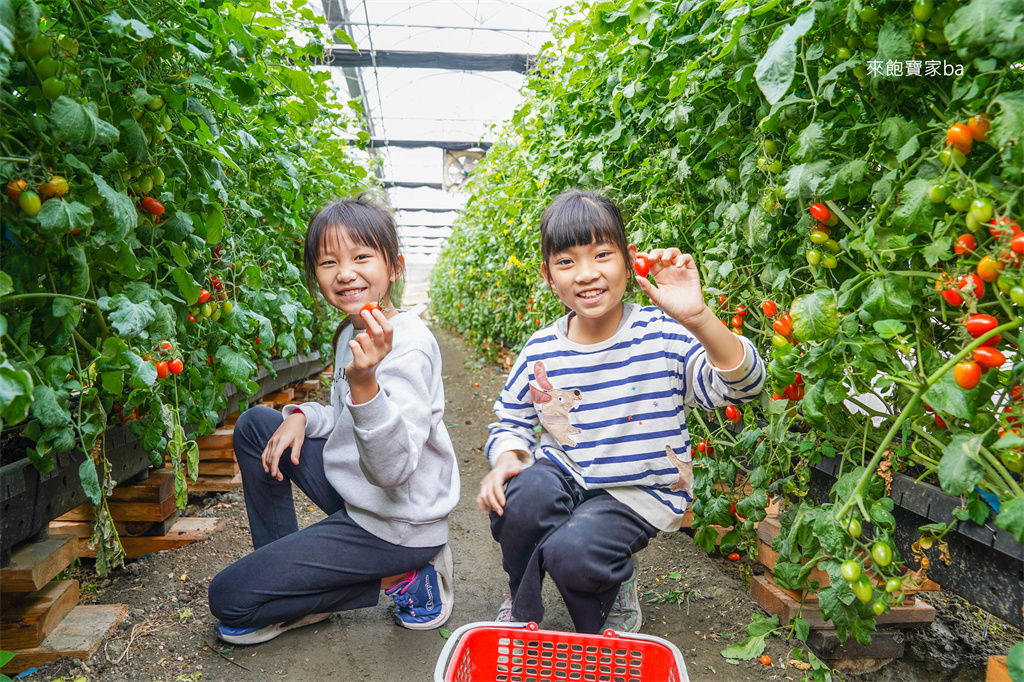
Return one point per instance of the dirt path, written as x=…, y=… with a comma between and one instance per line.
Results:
x=173, y=631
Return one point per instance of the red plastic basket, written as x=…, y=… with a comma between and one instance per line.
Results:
x=520, y=652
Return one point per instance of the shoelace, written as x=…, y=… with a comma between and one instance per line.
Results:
x=621, y=600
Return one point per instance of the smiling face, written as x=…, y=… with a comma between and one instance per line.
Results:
x=590, y=279
x=352, y=275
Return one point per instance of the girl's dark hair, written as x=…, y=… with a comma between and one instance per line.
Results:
x=366, y=222
x=579, y=217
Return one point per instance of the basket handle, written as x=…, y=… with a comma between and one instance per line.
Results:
x=446, y=652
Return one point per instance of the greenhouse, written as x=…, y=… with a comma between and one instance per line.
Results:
x=507, y=340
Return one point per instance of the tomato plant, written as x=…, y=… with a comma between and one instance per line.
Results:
x=670, y=108
x=136, y=139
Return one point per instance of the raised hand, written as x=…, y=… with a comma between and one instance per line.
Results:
x=678, y=291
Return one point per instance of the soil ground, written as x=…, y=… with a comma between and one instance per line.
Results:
x=697, y=601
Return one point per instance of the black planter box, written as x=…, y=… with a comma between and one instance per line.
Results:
x=987, y=567
x=29, y=500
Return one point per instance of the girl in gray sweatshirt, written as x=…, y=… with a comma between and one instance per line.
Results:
x=378, y=460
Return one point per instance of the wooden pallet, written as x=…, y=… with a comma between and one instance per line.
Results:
x=281, y=398
x=216, y=484
x=27, y=622
x=83, y=529
x=221, y=439
x=183, y=532
x=79, y=636
x=34, y=564
x=151, y=501
x=776, y=602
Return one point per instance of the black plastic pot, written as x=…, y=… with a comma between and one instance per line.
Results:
x=987, y=566
x=29, y=500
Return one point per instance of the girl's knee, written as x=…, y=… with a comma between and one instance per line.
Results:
x=227, y=602
x=254, y=428
x=572, y=563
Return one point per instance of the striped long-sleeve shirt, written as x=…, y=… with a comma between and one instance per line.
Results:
x=614, y=413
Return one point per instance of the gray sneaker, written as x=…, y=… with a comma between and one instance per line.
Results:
x=505, y=611
x=625, y=615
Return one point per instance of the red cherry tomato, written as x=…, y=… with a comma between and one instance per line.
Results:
x=161, y=369
x=1017, y=243
x=733, y=414
x=821, y=213
x=993, y=341
x=166, y=346
x=735, y=556
x=766, y=659
x=940, y=422
x=175, y=366
x=978, y=125
x=204, y=296
x=369, y=307
x=642, y=265
x=152, y=206
x=721, y=300
x=967, y=375
x=967, y=243
x=782, y=326
x=702, y=446
x=769, y=309
x=1002, y=226
x=1016, y=393
x=741, y=310
x=989, y=358
x=948, y=291
x=736, y=321
x=980, y=324
x=192, y=318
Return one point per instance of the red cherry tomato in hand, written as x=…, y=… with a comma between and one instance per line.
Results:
x=642, y=265
x=369, y=307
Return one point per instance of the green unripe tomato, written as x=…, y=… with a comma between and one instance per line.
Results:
x=139, y=61
x=881, y=553
x=775, y=166
x=228, y=307
x=136, y=114
x=819, y=237
x=145, y=184
x=893, y=585
x=950, y=155
x=53, y=88
x=29, y=202
x=843, y=53
x=936, y=36
x=1012, y=460
x=850, y=570
x=206, y=309
x=960, y=202
x=829, y=261
x=853, y=528
x=780, y=194
x=971, y=222
x=879, y=607
x=918, y=32
x=853, y=42
x=762, y=163
x=70, y=44
x=862, y=588
x=158, y=176
x=39, y=47
x=155, y=103
x=860, y=73
x=868, y=15
x=770, y=148
x=158, y=135
x=923, y=9
x=47, y=66
x=938, y=192
x=768, y=203
x=779, y=341
x=216, y=315
x=871, y=42
x=732, y=173
x=813, y=256
x=981, y=209
x=1005, y=284
x=166, y=122
x=1017, y=295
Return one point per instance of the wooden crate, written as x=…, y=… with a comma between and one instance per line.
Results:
x=183, y=532
x=83, y=529
x=216, y=484
x=151, y=500
x=221, y=439
x=34, y=564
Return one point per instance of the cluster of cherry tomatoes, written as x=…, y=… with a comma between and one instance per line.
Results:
x=208, y=306
x=821, y=236
x=961, y=137
x=737, y=318
x=31, y=201
x=165, y=367
x=967, y=373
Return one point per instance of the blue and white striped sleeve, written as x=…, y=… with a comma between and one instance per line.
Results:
x=708, y=387
x=516, y=414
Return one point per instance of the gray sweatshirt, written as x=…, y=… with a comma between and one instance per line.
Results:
x=391, y=458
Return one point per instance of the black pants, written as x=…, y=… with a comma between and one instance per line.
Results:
x=583, y=539
x=333, y=565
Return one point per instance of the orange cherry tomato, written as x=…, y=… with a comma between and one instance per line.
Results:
x=766, y=659
x=769, y=309
x=978, y=126
x=782, y=327
x=959, y=137
x=14, y=188
x=1017, y=243
x=967, y=375
x=735, y=556
x=989, y=268
x=737, y=321
x=161, y=370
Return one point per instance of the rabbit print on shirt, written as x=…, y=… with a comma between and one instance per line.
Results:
x=553, y=406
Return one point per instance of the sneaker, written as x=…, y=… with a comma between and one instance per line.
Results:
x=267, y=633
x=505, y=611
x=625, y=615
x=425, y=598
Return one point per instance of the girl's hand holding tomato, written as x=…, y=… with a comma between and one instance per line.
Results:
x=368, y=349
x=677, y=288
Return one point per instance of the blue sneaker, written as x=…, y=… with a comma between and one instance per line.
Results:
x=266, y=633
x=424, y=600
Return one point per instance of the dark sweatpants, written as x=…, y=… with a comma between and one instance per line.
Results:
x=333, y=565
x=583, y=539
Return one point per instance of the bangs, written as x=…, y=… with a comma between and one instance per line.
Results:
x=578, y=218
x=365, y=222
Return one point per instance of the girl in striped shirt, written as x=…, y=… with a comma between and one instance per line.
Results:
x=609, y=386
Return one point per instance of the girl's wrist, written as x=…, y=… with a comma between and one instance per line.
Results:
x=699, y=320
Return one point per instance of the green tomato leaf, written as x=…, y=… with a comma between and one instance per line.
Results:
x=946, y=397
x=16, y=394
x=994, y=24
x=1009, y=441
x=6, y=283
x=916, y=212
x=80, y=124
x=815, y=316
x=959, y=469
x=59, y=217
x=748, y=649
x=235, y=367
x=90, y=481
x=888, y=298
x=120, y=208
x=889, y=329
x=803, y=179
x=1007, y=127
x=1015, y=661
x=776, y=68
x=1011, y=517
